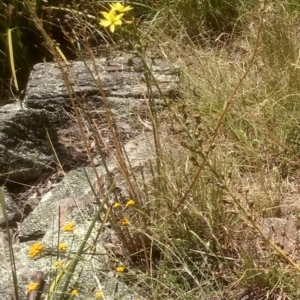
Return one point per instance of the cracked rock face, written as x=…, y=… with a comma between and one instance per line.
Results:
x=76, y=186
x=25, y=152
x=12, y=211
x=72, y=200
x=123, y=82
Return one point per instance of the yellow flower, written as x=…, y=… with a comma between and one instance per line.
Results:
x=120, y=8
x=58, y=264
x=116, y=205
x=36, y=249
x=74, y=293
x=130, y=203
x=120, y=269
x=111, y=20
x=62, y=247
x=33, y=286
x=99, y=295
x=125, y=222
x=69, y=227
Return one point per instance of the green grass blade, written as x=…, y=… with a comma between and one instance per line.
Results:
x=11, y=58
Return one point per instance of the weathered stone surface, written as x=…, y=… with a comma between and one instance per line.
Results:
x=72, y=200
x=123, y=82
x=12, y=211
x=96, y=275
x=75, y=185
x=25, y=152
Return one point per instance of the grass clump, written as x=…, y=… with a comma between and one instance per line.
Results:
x=204, y=22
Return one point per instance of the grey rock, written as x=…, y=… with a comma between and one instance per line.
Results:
x=11, y=107
x=25, y=152
x=43, y=223
x=73, y=200
x=75, y=185
x=92, y=272
x=13, y=212
x=123, y=82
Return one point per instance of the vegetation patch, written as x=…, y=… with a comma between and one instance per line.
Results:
x=213, y=213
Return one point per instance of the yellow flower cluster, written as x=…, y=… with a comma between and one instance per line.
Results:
x=62, y=247
x=33, y=286
x=69, y=227
x=129, y=203
x=114, y=17
x=36, y=249
x=74, y=293
x=99, y=295
x=120, y=269
x=58, y=264
x=116, y=205
x=125, y=222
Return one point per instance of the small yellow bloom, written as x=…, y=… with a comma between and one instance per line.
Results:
x=111, y=19
x=74, y=293
x=120, y=269
x=33, y=286
x=125, y=222
x=120, y=8
x=58, y=264
x=130, y=203
x=69, y=227
x=62, y=247
x=36, y=249
x=116, y=205
x=99, y=295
